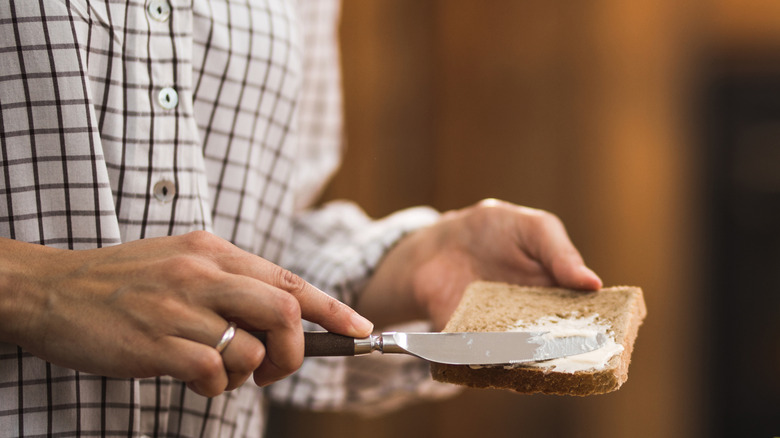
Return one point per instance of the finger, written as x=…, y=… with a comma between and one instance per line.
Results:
x=242, y=356
x=315, y=305
x=197, y=364
x=284, y=355
x=574, y=274
x=549, y=243
x=283, y=342
x=243, y=353
x=255, y=305
x=332, y=314
x=210, y=373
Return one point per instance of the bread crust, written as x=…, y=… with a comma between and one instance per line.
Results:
x=540, y=380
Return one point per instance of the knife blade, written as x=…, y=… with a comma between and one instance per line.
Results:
x=470, y=348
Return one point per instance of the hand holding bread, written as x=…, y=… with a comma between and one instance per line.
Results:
x=426, y=273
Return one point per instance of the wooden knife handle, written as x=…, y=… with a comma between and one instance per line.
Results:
x=322, y=344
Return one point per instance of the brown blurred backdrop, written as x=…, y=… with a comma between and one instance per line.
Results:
x=651, y=127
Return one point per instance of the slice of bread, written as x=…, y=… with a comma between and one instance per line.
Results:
x=495, y=307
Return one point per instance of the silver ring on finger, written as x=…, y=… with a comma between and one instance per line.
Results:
x=230, y=332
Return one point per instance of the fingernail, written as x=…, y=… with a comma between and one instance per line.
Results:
x=361, y=324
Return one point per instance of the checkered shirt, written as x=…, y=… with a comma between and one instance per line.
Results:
x=129, y=119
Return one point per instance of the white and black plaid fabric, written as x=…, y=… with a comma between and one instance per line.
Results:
x=128, y=119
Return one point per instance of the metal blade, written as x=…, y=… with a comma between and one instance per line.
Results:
x=483, y=348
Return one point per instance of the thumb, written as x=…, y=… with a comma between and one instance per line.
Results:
x=570, y=271
x=548, y=240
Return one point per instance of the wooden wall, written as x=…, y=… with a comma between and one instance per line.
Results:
x=581, y=108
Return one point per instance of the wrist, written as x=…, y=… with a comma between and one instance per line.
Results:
x=389, y=296
x=22, y=298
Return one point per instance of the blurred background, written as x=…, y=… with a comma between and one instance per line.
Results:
x=651, y=127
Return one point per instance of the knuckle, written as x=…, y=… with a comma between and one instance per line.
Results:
x=334, y=307
x=201, y=241
x=182, y=265
x=246, y=360
x=489, y=207
x=198, y=237
x=541, y=218
x=252, y=358
x=183, y=269
x=552, y=222
x=550, y=217
x=489, y=203
x=235, y=380
x=288, y=281
x=288, y=363
x=207, y=389
x=208, y=366
x=288, y=310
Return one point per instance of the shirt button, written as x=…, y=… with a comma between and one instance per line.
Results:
x=159, y=10
x=164, y=190
x=168, y=98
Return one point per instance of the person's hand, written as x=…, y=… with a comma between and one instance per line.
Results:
x=425, y=275
x=159, y=306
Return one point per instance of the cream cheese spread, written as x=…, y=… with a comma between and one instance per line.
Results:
x=556, y=327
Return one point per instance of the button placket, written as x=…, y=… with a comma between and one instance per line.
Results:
x=160, y=10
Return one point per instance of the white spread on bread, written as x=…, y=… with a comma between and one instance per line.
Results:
x=572, y=325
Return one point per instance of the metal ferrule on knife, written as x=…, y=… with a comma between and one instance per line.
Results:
x=384, y=343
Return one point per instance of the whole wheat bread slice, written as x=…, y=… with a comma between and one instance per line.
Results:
x=493, y=307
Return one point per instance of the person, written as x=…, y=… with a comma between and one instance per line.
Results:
x=160, y=163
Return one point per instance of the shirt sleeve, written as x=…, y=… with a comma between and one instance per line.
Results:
x=337, y=247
